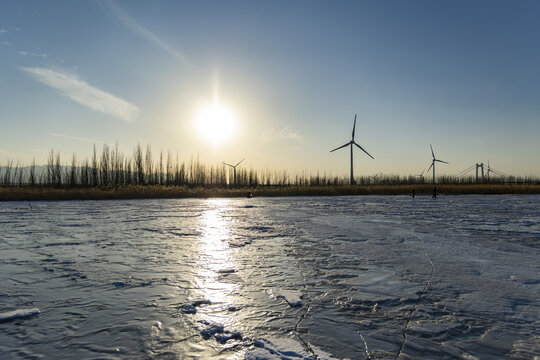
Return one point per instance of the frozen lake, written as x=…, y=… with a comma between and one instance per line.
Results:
x=272, y=278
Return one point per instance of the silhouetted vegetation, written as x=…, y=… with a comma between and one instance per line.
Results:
x=111, y=174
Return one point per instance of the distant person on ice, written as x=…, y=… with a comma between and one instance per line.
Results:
x=413, y=193
x=434, y=193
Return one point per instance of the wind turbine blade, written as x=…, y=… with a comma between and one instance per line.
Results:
x=429, y=167
x=442, y=161
x=228, y=164
x=342, y=146
x=354, y=127
x=239, y=162
x=361, y=148
x=432, y=154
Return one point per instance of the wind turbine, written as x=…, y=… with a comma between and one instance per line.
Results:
x=433, y=163
x=351, y=143
x=492, y=170
x=234, y=168
x=421, y=175
x=489, y=169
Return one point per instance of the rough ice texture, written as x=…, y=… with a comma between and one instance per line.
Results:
x=219, y=332
x=212, y=329
x=226, y=271
x=188, y=309
x=18, y=314
x=363, y=261
x=199, y=302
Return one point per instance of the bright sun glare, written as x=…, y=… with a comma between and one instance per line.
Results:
x=215, y=123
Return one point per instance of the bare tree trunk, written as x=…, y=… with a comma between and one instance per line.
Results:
x=50, y=168
x=32, y=175
x=58, y=170
x=73, y=172
x=105, y=165
x=149, y=165
x=95, y=171
x=139, y=166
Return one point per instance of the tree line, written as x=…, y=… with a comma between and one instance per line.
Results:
x=111, y=168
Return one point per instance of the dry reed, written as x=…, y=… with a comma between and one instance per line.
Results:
x=171, y=192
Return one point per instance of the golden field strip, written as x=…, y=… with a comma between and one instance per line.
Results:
x=173, y=192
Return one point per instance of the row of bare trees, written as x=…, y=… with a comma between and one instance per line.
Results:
x=111, y=168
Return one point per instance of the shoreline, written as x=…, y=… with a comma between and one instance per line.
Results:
x=179, y=192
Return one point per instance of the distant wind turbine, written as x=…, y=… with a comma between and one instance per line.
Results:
x=351, y=143
x=496, y=172
x=489, y=170
x=234, y=169
x=421, y=175
x=433, y=163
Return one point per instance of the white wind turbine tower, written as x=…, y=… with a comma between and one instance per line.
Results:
x=433, y=163
x=234, y=169
x=351, y=143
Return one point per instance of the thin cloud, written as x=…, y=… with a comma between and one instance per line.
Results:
x=75, y=138
x=27, y=53
x=140, y=30
x=289, y=133
x=79, y=91
x=2, y=32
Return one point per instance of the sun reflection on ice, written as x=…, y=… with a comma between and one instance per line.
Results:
x=216, y=261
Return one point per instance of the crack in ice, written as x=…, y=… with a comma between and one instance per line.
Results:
x=308, y=308
x=415, y=307
x=368, y=357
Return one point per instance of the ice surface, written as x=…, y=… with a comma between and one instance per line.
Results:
x=388, y=276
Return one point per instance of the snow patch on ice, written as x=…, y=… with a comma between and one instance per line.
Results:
x=18, y=314
x=280, y=349
x=293, y=297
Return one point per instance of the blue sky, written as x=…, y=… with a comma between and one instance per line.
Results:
x=462, y=75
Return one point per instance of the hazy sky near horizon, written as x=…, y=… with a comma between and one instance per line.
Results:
x=461, y=75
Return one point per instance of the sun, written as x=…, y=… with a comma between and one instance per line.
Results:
x=216, y=123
